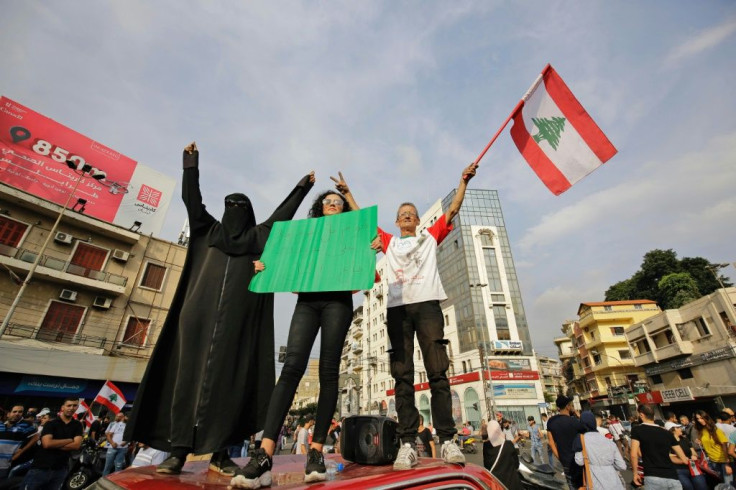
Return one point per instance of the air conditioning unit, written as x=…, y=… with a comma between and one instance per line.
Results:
x=102, y=302
x=68, y=295
x=120, y=255
x=63, y=237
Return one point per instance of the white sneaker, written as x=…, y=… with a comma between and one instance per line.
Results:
x=406, y=458
x=450, y=453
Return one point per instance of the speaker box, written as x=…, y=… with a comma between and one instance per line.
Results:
x=369, y=439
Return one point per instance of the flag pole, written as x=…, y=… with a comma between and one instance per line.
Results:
x=518, y=107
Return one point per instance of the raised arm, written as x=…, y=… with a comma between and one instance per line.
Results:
x=343, y=188
x=457, y=201
x=199, y=218
x=286, y=210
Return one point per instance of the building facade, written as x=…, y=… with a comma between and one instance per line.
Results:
x=485, y=325
x=606, y=377
x=689, y=354
x=550, y=372
x=94, y=307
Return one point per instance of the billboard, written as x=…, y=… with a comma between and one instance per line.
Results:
x=33, y=154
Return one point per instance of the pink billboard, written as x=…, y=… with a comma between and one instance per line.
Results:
x=34, y=151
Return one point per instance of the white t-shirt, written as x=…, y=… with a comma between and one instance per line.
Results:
x=149, y=456
x=302, y=440
x=412, y=265
x=117, y=429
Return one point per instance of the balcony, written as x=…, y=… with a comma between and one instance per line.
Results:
x=645, y=358
x=372, y=360
x=59, y=269
x=357, y=347
x=358, y=367
x=357, y=332
x=684, y=348
x=379, y=292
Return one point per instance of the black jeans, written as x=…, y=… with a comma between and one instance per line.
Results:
x=332, y=311
x=426, y=320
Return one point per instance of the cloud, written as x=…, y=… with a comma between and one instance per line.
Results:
x=701, y=42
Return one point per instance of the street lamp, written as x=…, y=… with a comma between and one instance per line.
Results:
x=95, y=174
x=482, y=346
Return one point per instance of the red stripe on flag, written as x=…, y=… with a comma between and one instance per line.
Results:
x=577, y=116
x=104, y=401
x=535, y=157
x=115, y=389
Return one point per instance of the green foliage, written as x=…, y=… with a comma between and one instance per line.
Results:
x=691, y=278
x=306, y=410
x=677, y=289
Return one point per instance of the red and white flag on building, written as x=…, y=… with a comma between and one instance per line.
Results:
x=555, y=134
x=111, y=396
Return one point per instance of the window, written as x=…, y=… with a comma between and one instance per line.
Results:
x=87, y=260
x=685, y=373
x=608, y=308
x=447, y=320
x=637, y=307
x=11, y=231
x=61, y=322
x=702, y=326
x=136, y=331
x=465, y=367
x=498, y=298
x=617, y=331
x=656, y=379
x=596, y=358
x=153, y=277
x=624, y=354
x=592, y=335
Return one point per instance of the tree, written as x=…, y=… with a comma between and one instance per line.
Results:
x=677, y=289
x=657, y=264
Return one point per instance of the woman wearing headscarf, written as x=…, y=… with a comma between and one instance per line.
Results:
x=501, y=458
x=211, y=374
x=604, y=458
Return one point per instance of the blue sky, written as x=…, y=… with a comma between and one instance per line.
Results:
x=400, y=96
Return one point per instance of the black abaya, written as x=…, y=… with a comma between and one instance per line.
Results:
x=211, y=374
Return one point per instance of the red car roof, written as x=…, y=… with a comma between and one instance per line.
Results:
x=288, y=472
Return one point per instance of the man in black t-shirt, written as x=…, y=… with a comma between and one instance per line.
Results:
x=653, y=444
x=561, y=431
x=59, y=437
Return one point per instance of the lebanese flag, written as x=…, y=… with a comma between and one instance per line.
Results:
x=83, y=407
x=111, y=396
x=556, y=136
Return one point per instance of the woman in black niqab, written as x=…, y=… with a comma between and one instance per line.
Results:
x=211, y=374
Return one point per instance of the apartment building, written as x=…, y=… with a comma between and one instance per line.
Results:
x=689, y=354
x=94, y=307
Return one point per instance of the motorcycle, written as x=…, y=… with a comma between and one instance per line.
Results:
x=468, y=445
x=88, y=468
x=535, y=476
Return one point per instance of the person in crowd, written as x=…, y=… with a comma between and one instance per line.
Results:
x=684, y=472
x=654, y=444
x=501, y=458
x=214, y=356
x=117, y=447
x=425, y=435
x=714, y=443
x=330, y=312
x=413, y=308
x=616, y=429
x=511, y=432
x=147, y=456
x=724, y=422
x=602, y=457
x=23, y=458
x=561, y=432
x=59, y=438
x=464, y=433
x=535, y=436
x=483, y=430
x=15, y=435
x=600, y=425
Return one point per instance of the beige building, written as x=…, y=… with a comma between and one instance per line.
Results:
x=689, y=354
x=94, y=307
x=550, y=373
x=308, y=390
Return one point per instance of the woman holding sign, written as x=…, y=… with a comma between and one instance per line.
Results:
x=332, y=312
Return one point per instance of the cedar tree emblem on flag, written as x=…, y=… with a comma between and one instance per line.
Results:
x=549, y=130
x=111, y=396
x=149, y=195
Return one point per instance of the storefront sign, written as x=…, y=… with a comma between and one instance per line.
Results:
x=516, y=390
x=48, y=384
x=454, y=380
x=682, y=394
x=507, y=345
x=694, y=360
x=520, y=375
x=512, y=364
x=651, y=397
